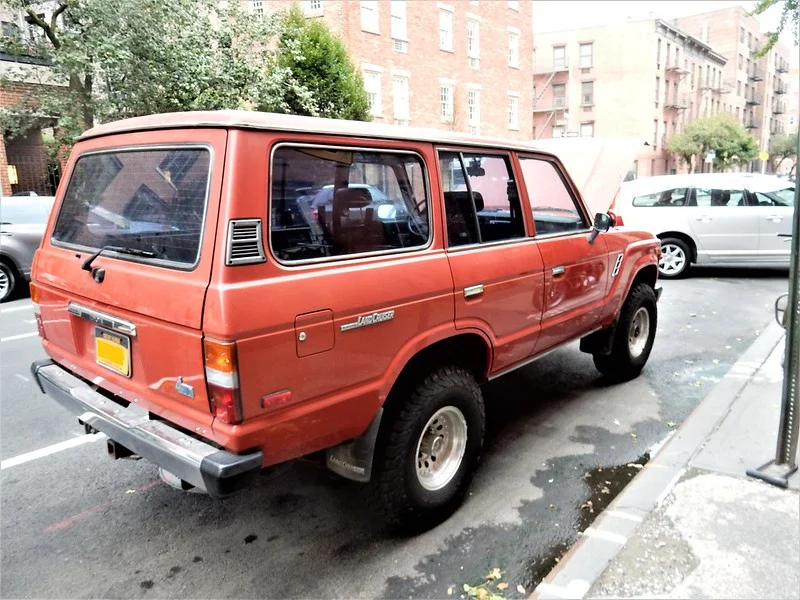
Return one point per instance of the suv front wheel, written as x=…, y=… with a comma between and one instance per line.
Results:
x=633, y=338
x=430, y=450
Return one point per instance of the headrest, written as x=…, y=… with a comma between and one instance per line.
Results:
x=352, y=197
x=461, y=199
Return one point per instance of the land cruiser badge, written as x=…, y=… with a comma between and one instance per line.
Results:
x=373, y=319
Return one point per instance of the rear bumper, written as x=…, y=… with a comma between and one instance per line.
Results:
x=219, y=472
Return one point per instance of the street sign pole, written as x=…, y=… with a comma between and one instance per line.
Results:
x=778, y=471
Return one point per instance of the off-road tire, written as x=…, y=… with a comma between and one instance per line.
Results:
x=620, y=365
x=9, y=275
x=395, y=489
x=687, y=258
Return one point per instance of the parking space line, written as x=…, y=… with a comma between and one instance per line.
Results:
x=19, y=337
x=15, y=308
x=48, y=450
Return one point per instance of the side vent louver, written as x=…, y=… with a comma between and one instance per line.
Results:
x=245, y=243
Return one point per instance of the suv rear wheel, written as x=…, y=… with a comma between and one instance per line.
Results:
x=429, y=452
x=675, y=258
x=634, y=336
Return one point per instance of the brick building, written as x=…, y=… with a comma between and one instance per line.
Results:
x=462, y=65
x=24, y=163
x=758, y=86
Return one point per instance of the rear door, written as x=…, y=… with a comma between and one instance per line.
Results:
x=131, y=320
x=496, y=265
x=575, y=271
x=724, y=224
x=774, y=204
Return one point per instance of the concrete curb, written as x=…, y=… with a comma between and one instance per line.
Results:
x=603, y=540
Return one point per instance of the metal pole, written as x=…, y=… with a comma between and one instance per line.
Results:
x=777, y=471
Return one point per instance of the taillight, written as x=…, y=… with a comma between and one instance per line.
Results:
x=222, y=381
x=34, y=290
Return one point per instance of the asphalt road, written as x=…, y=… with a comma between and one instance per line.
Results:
x=75, y=524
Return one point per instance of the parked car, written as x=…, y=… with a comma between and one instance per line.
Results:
x=22, y=224
x=712, y=219
x=198, y=315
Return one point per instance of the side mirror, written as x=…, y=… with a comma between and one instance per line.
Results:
x=781, y=314
x=602, y=222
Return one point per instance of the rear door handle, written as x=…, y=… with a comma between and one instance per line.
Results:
x=558, y=271
x=704, y=219
x=473, y=290
x=775, y=218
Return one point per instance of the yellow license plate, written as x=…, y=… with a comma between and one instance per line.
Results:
x=113, y=351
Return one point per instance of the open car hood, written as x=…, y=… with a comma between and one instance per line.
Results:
x=597, y=165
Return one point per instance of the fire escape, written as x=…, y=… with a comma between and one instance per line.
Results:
x=555, y=104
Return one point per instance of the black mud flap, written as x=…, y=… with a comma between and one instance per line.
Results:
x=353, y=459
x=600, y=342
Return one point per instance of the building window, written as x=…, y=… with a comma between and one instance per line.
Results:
x=513, y=112
x=474, y=110
x=653, y=166
x=399, y=24
x=586, y=55
x=693, y=66
x=559, y=57
x=655, y=134
x=558, y=131
x=587, y=93
x=372, y=85
x=741, y=62
x=741, y=34
x=256, y=7
x=750, y=40
x=313, y=7
x=369, y=16
x=513, y=4
x=400, y=97
x=559, y=95
x=445, y=30
x=587, y=129
x=666, y=58
x=658, y=54
x=677, y=62
x=658, y=89
x=675, y=94
x=446, y=102
x=473, y=43
x=738, y=88
x=513, y=49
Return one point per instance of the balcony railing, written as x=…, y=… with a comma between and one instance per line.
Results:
x=782, y=67
x=756, y=75
x=779, y=87
x=679, y=101
x=557, y=66
x=778, y=108
x=753, y=101
x=677, y=69
x=752, y=125
x=558, y=103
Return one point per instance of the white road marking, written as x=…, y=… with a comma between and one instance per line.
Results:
x=16, y=308
x=623, y=515
x=605, y=535
x=48, y=450
x=30, y=321
x=22, y=377
x=11, y=338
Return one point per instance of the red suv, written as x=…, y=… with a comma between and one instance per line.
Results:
x=220, y=292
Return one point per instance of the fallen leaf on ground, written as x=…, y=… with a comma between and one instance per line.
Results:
x=482, y=593
x=715, y=361
x=588, y=504
x=634, y=436
x=502, y=586
x=466, y=587
x=605, y=490
x=450, y=590
x=670, y=424
x=494, y=574
x=131, y=492
x=727, y=347
x=634, y=465
x=520, y=589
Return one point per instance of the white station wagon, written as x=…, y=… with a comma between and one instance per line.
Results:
x=731, y=219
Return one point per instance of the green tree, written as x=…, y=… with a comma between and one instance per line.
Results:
x=721, y=133
x=783, y=146
x=789, y=12
x=318, y=61
x=136, y=57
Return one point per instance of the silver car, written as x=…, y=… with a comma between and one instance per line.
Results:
x=22, y=224
x=715, y=219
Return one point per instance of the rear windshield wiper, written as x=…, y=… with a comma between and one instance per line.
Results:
x=87, y=265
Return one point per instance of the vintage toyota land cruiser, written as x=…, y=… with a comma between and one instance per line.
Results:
x=220, y=292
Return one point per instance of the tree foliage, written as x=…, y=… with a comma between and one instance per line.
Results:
x=790, y=11
x=783, y=146
x=721, y=133
x=135, y=57
x=318, y=61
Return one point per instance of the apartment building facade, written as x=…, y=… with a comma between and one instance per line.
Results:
x=643, y=79
x=759, y=85
x=462, y=65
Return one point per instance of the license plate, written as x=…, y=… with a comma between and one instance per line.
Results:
x=113, y=351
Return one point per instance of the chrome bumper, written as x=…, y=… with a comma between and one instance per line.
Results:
x=218, y=472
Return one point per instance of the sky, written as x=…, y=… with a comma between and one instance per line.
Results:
x=552, y=15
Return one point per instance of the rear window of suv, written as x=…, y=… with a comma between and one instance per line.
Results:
x=152, y=201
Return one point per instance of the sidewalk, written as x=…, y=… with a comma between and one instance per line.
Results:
x=692, y=524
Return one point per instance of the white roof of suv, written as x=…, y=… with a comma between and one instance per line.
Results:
x=750, y=181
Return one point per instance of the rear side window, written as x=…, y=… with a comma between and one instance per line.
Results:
x=328, y=203
x=152, y=202
x=670, y=197
x=480, y=197
x=553, y=207
x=705, y=197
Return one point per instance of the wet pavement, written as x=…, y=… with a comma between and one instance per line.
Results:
x=76, y=524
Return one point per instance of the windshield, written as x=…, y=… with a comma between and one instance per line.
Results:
x=148, y=200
